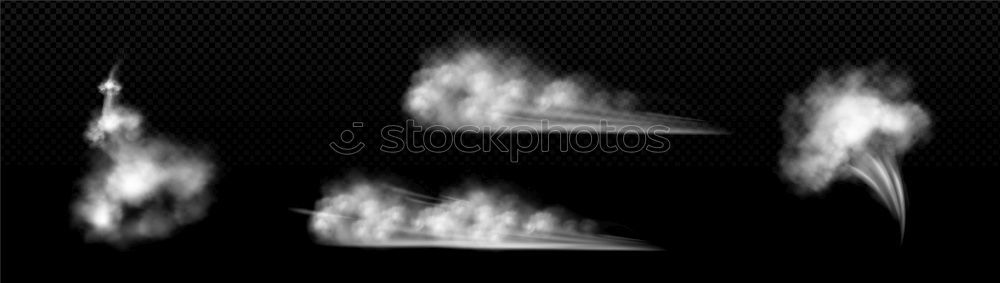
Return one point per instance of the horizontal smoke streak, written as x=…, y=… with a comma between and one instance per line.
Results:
x=372, y=214
x=496, y=93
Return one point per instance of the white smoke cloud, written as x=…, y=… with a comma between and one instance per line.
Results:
x=855, y=125
x=493, y=92
x=147, y=186
x=374, y=214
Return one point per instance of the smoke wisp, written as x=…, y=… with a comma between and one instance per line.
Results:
x=145, y=187
x=365, y=213
x=856, y=125
x=492, y=92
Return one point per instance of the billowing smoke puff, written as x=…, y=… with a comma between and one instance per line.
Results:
x=855, y=125
x=375, y=214
x=147, y=186
x=492, y=92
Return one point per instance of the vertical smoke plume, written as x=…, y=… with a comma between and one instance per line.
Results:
x=146, y=187
x=493, y=92
x=366, y=213
x=853, y=126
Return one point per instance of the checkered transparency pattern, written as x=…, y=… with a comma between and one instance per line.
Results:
x=272, y=84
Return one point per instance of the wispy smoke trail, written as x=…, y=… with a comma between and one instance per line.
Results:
x=146, y=186
x=495, y=92
x=856, y=125
x=365, y=213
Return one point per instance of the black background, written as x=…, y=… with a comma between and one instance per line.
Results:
x=266, y=86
